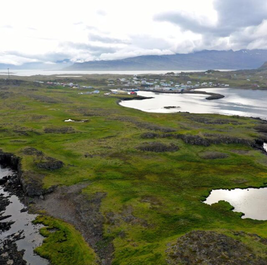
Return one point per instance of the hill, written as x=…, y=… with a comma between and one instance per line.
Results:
x=263, y=67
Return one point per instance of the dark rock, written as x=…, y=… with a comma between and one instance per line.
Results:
x=3, y=181
x=24, y=210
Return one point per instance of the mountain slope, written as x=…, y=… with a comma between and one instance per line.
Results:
x=243, y=59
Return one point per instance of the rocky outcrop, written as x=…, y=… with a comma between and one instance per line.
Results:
x=211, y=248
x=212, y=155
x=59, y=130
x=9, y=253
x=50, y=163
x=32, y=184
x=211, y=120
x=207, y=140
x=10, y=160
x=149, y=135
x=158, y=147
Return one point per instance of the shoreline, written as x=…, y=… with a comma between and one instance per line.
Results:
x=211, y=96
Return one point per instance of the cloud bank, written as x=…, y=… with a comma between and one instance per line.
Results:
x=81, y=31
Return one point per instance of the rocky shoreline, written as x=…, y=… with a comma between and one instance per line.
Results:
x=9, y=253
x=11, y=187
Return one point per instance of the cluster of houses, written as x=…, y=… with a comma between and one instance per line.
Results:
x=131, y=84
x=160, y=84
x=72, y=85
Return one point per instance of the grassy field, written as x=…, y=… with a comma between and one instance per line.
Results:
x=151, y=198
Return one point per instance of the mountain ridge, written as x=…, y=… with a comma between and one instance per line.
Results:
x=202, y=60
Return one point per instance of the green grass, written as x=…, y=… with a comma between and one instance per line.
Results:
x=161, y=192
x=63, y=244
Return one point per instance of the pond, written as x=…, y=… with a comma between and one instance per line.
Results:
x=251, y=201
x=241, y=102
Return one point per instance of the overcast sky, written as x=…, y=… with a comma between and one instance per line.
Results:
x=84, y=30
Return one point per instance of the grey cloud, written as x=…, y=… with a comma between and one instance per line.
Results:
x=241, y=13
x=236, y=28
x=232, y=16
x=183, y=21
x=255, y=36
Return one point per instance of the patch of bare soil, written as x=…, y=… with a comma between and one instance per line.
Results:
x=70, y=205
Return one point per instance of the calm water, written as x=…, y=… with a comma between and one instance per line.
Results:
x=46, y=72
x=251, y=202
x=22, y=221
x=242, y=102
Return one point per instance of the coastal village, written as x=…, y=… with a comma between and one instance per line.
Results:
x=131, y=84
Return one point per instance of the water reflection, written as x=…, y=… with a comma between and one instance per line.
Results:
x=251, y=202
x=242, y=102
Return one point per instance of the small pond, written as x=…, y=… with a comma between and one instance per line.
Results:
x=252, y=202
x=71, y=120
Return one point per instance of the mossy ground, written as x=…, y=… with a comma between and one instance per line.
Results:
x=161, y=192
x=62, y=243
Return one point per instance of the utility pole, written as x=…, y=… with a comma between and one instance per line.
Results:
x=8, y=73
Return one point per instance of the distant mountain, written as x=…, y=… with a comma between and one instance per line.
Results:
x=5, y=66
x=203, y=60
x=58, y=65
